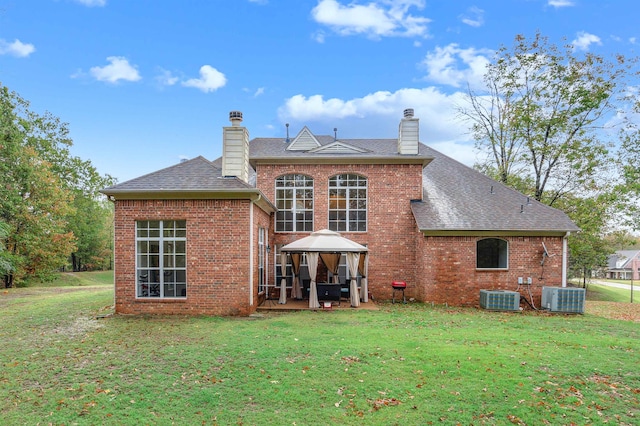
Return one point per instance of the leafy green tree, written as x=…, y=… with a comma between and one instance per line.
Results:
x=6, y=263
x=537, y=118
x=91, y=223
x=628, y=186
x=40, y=186
x=588, y=249
x=542, y=122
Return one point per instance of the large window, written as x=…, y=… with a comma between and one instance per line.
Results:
x=492, y=253
x=348, y=203
x=161, y=259
x=294, y=200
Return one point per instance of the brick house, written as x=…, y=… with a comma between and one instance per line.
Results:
x=204, y=237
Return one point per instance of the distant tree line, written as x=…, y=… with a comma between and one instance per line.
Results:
x=563, y=127
x=51, y=213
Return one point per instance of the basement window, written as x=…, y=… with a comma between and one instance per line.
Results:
x=161, y=259
x=492, y=253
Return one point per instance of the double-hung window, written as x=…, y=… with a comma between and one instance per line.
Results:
x=294, y=200
x=161, y=258
x=348, y=203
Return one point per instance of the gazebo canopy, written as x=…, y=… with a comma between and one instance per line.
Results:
x=324, y=241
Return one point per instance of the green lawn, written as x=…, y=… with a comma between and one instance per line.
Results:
x=404, y=364
x=612, y=294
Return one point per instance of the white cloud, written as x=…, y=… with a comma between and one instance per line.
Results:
x=584, y=40
x=92, y=3
x=560, y=3
x=118, y=69
x=319, y=36
x=632, y=40
x=16, y=48
x=259, y=92
x=166, y=78
x=456, y=67
x=377, y=115
x=210, y=80
x=474, y=17
x=379, y=18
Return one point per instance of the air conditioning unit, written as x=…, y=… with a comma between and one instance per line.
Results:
x=500, y=300
x=563, y=299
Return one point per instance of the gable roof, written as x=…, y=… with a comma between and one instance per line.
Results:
x=338, y=147
x=459, y=199
x=622, y=259
x=304, y=141
x=347, y=151
x=197, y=178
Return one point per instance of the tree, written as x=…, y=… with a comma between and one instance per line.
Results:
x=628, y=186
x=40, y=182
x=6, y=263
x=542, y=123
x=537, y=119
x=588, y=249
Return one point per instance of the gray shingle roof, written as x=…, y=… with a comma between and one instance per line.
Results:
x=197, y=174
x=459, y=198
x=270, y=149
x=456, y=198
x=626, y=256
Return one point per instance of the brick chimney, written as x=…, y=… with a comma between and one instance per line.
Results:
x=408, y=134
x=235, y=148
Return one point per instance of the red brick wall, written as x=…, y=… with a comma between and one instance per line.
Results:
x=448, y=274
x=218, y=241
x=391, y=230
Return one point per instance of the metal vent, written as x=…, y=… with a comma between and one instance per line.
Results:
x=500, y=300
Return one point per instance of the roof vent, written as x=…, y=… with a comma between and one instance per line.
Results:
x=408, y=113
x=235, y=117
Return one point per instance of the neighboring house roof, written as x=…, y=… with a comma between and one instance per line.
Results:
x=197, y=178
x=621, y=259
x=459, y=199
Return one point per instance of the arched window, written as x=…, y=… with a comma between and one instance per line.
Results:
x=348, y=203
x=294, y=200
x=492, y=253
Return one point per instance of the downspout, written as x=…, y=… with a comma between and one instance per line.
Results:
x=565, y=258
x=251, y=245
x=112, y=199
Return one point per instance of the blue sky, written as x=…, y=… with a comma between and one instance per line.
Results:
x=145, y=83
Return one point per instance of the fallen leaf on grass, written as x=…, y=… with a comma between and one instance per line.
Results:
x=385, y=402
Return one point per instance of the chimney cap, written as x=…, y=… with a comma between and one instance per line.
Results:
x=235, y=116
x=408, y=113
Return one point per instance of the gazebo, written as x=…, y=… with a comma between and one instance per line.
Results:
x=329, y=246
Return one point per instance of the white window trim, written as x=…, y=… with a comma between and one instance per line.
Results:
x=161, y=239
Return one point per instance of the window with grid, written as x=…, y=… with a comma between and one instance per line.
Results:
x=294, y=200
x=348, y=203
x=161, y=259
